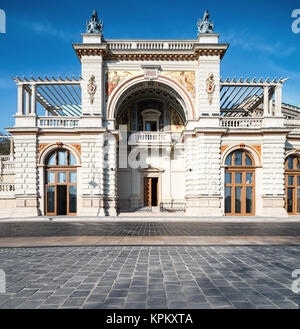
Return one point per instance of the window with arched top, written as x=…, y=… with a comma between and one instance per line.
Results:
x=61, y=183
x=292, y=184
x=240, y=184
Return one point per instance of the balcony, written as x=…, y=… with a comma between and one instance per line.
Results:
x=58, y=122
x=150, y=138
x=241, y=122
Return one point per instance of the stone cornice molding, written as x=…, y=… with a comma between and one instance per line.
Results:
x=158, y=50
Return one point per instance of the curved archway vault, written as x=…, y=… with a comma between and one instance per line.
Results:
x=163, y=87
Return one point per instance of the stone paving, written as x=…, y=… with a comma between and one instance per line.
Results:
x=152, y=277
x=140, y=228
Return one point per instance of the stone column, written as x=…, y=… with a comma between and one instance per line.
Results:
x=20, y=100
x=266, y=102
x=278, y=100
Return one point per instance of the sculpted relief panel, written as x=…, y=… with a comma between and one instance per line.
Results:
x=185, y=78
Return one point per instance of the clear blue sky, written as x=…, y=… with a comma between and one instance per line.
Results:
x=40, y=35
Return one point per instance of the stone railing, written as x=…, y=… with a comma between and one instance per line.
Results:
x=7, y=165
x=58, y=122
x=4, y=158
x=241, y=122
x=150, y=138
x=7, y=188
x=150, y=45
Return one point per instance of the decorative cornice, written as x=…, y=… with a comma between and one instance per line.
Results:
x=155, y=54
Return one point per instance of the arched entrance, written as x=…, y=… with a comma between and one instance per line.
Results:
x=61, y=183
x=239, y=184
x=155, y=116
x=292, y=185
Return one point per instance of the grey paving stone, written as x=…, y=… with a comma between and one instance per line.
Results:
x=73, y=302
x=96, y=298
x=80, y=293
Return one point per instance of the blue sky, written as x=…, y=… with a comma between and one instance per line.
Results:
x=40, y=35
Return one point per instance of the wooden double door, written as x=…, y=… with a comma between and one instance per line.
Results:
x=151, y=192
x=240, y=192
x=61, y=192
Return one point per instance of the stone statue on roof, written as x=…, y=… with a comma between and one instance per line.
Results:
x=94, y=25
x=205, y=25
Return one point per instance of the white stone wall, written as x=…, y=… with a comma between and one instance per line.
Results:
x=273, y=154
x=207, y=65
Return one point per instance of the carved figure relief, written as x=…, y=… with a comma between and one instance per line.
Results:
x=91, y=88
x=210, y=87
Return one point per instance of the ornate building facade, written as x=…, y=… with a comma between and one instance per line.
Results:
x=151, y=126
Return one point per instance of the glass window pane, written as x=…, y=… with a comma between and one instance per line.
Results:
x=228, y=178
x=72, y=199
x=238, y=200
x=290, y=200
x=51, y=161
x=72, y=177
x=248, y=160
x=298, y=163
x=61, y=177
x=290, y=180
x=72, y=160
x=227, y=200
x=51, y=177
x=249, y=178
x=298, y=200
x=238, y=158
x=248, y=200
x=228, y=161
x=50, y=199
x=290, y=162
x=238, y=178
x=148, y=126
x=62, y=158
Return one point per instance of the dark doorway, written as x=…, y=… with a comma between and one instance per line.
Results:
x=61, y=200
x=154, y=189
x=151, y=126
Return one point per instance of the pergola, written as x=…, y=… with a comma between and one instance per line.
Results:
x=239, y=98
x=58, y=96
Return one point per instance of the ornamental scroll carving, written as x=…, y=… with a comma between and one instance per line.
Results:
x=77, y=147
x=210, y=87
x=91, y=88
x=41, y=147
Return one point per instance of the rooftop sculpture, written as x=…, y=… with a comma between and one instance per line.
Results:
x=94, y=25
x=205, y=25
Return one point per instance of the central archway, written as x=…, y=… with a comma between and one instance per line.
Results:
x=170, y=86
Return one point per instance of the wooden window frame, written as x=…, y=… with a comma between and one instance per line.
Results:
x=56, y=169
x=244, y=170
x=295, y=173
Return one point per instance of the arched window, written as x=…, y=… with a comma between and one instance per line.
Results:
x=292, y=184
x=240, y=184
x=61, y=183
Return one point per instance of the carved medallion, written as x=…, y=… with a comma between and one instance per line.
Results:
x=91, y=88
x=210, y=87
